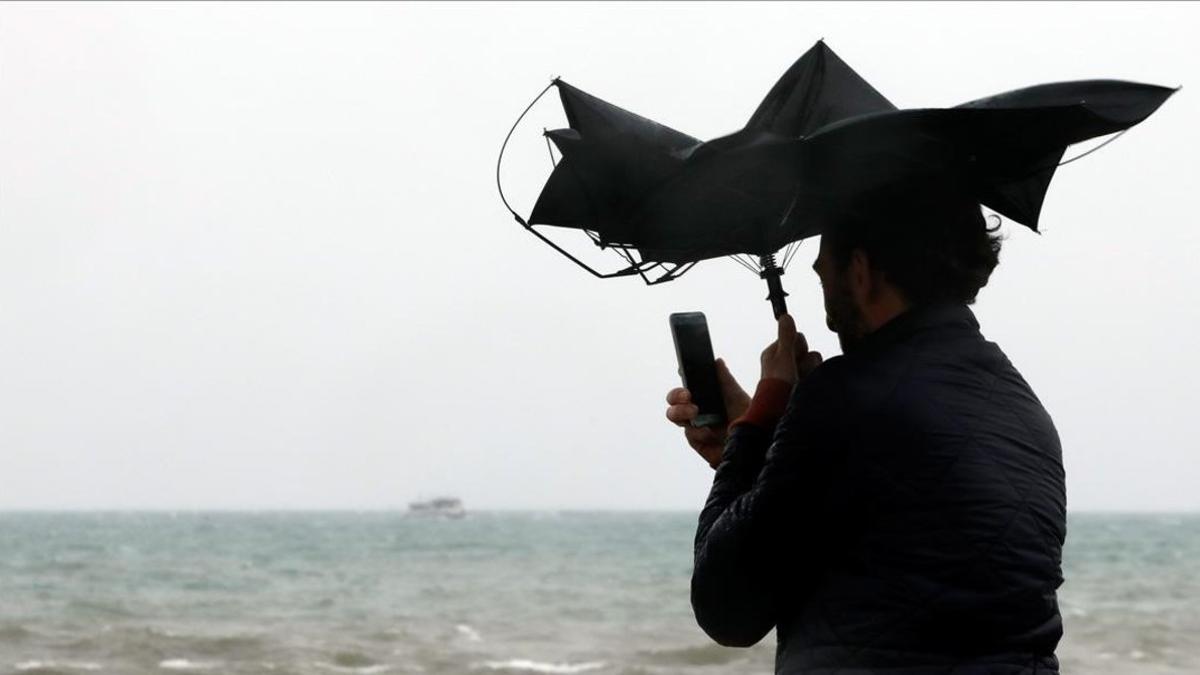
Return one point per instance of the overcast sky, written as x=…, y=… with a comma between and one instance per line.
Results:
x=252, y=256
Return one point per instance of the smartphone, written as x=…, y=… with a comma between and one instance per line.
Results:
x=697, y=366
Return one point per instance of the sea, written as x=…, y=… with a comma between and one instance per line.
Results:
x=604, y=593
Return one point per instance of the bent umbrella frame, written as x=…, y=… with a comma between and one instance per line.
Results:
x=821, y=140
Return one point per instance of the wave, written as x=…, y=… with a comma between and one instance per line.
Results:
x=91, y=608
x=173, y=645
x=526, y=665
x=14, y=632
x=363, y=670
x=223, y=645
x=184, y=664
x=353, y=662
x=468, y=632
x=48, y=667
x=697, y=655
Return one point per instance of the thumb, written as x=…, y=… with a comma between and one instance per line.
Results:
x=727, y=381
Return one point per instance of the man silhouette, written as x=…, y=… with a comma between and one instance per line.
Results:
x=899, y=508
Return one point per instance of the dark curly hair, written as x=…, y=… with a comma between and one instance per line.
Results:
x=934, y=247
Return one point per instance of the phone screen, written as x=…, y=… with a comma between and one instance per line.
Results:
x=693, y=348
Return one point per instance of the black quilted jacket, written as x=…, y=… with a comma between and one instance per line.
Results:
x=907, y=517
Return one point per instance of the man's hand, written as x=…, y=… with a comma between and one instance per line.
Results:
x=788, y=358
x=709, y=442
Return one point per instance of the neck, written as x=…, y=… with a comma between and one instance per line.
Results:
x=870, y=317
x=889, y=305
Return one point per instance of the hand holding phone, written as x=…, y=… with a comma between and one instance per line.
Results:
x=697, y=367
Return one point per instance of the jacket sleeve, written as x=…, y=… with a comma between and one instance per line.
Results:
x=759, y=515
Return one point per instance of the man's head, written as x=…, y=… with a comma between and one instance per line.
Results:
x=916, y=251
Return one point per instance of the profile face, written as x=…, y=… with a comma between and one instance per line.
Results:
x=842, y=314
x=830, y=284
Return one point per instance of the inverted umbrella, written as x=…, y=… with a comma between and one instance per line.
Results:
x=820, y=143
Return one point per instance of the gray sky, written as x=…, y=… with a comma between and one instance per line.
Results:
x=253, y=256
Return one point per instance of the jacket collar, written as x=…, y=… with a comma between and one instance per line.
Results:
x=917, y=319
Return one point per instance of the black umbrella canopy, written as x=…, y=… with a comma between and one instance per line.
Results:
x=761, y=194
x=759, y=191
x=817, y=90
x=1014, y=154
x=614, y=160
x=822, y=141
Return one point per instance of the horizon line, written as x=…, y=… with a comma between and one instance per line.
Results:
x=520, y=509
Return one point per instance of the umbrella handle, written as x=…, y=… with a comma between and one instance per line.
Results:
x=775, y=293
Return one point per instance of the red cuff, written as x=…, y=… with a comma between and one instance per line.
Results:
x=769, y=402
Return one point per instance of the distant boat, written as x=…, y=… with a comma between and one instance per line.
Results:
x=441, y=507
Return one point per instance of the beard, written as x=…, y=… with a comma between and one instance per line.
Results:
x=844, y=317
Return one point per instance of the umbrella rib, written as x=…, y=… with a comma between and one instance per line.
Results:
x=577, y=261
x=504, y=145
x=1093, y=149
x=788, y=258
x=676, y=272
x=627, y=256
x=642, y=272
x=549, y=149
x=640, y=267
x=787, y=255
x=752, y=264
x=743, y=263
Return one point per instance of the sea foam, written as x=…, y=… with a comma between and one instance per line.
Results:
x=57, y=665
x=468, y=632
x=362, y=670
x=525, y=665
x=184, y=664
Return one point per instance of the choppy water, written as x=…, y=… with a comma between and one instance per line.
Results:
x=601, y=593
